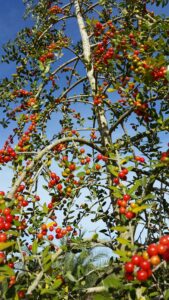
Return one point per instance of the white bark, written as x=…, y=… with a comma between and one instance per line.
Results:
x=100, y=115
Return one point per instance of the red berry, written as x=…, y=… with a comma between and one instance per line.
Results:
x=129, y=267
x=164, y=240
x=99, y=156
x=142, y=275
x=59, y=186
x=122, y=210
x=116, y=180
x=129, y=276
x=145, y=265
x=152, y=250
x=129, y=215
x=161, y=248
x=3, y=237
x=126, y=197
x=136, y=259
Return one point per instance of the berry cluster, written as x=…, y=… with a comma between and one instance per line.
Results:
x=54, y=180
x=159, y=73
x=55, y=10
x=123, y=203
x=46, y=56
x=22, y=93
x=60, y=232
x=139, y=159
x=7, y=154
x=141, y=265
x=141, y=109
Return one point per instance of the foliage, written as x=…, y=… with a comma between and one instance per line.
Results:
x=87, y=149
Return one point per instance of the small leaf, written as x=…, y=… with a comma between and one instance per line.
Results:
x=112, y=170
x=48, y=291
x=137, y=183
x=70, y=276
x=57, y=283
x=45, y=208
x=7, y=271
x=166, y=296
x=112, y=281
x=81, y=174
x=121, y=253
x=123, y=241
x=167, y=73
x=6, y=245
x=34, y=247
x=140, y=208
x=111, y=90
x=105, y=296
x=119, y=228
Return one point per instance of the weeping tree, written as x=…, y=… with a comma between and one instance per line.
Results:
x=85, y=121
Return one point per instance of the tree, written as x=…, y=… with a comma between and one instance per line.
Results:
x=88, y=112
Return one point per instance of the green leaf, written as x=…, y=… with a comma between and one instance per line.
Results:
x=45, y=208
x=112, y=281
x=167, y=73
x=81, y=174
x=16, y=297
x=119, y=228
x=7, y=271
x=121, y=253
x=34, y=247
x=111, y=90
x=105, y=296
x=112, y=170
x=140, y=208
x=47, y=68
x=70, y=276
x=6, y=245
x=57, y=283
x=166, y=296
x=123, y=241
x=137, y=183
x=149, y=196
x=48, y=291
x=116, y=191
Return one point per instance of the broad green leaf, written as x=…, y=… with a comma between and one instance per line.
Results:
x=116, y=191
x=112, y=170
x=112, y=281
x=46, y=259
x=57, y=283
x=166, y=296
x=105, y=296
x=149, y=196
x=6, y=245
x=7, y=271
x=16, y=297
x=123, y=241
x=140, y=208
x=70, y=276
x=111, y=90
x=81, y=174
x=48, y=291
x=2, y=278
x=47, y=266
x=119, y=228
x=167, y=73
x=45, y=208
x=121, y=253
x=137, y=183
